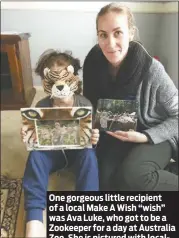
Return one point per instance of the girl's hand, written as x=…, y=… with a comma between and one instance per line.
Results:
x=95, y=136
x=27, y=134
x=129, y=136
x=23, y=132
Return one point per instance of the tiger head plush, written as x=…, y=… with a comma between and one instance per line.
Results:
x=59, y=74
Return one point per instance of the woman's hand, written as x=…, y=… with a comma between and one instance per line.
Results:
x=129, y=136
x=95, y=136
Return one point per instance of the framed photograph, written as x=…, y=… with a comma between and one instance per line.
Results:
x=57, y=128
x=112, y=115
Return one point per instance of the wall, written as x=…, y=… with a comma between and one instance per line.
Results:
x=167, y=44
x=73, y=28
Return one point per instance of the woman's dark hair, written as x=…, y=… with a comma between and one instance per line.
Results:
x=51, y=57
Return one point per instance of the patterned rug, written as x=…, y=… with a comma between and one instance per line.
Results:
x=10, y=200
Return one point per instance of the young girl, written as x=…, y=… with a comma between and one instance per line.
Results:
x=41, y=163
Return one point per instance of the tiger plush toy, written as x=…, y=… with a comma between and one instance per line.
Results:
x=59, y=74
x=62, y=83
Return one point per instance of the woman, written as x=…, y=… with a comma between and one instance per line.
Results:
x=120, y=68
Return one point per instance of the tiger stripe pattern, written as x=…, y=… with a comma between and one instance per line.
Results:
x=61, y=77
x=84, y=115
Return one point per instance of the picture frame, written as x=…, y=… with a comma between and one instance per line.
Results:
x=113, y=115
x=57, y=128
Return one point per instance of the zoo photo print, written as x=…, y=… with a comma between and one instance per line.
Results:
x=113, y=115
x=57, y=128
